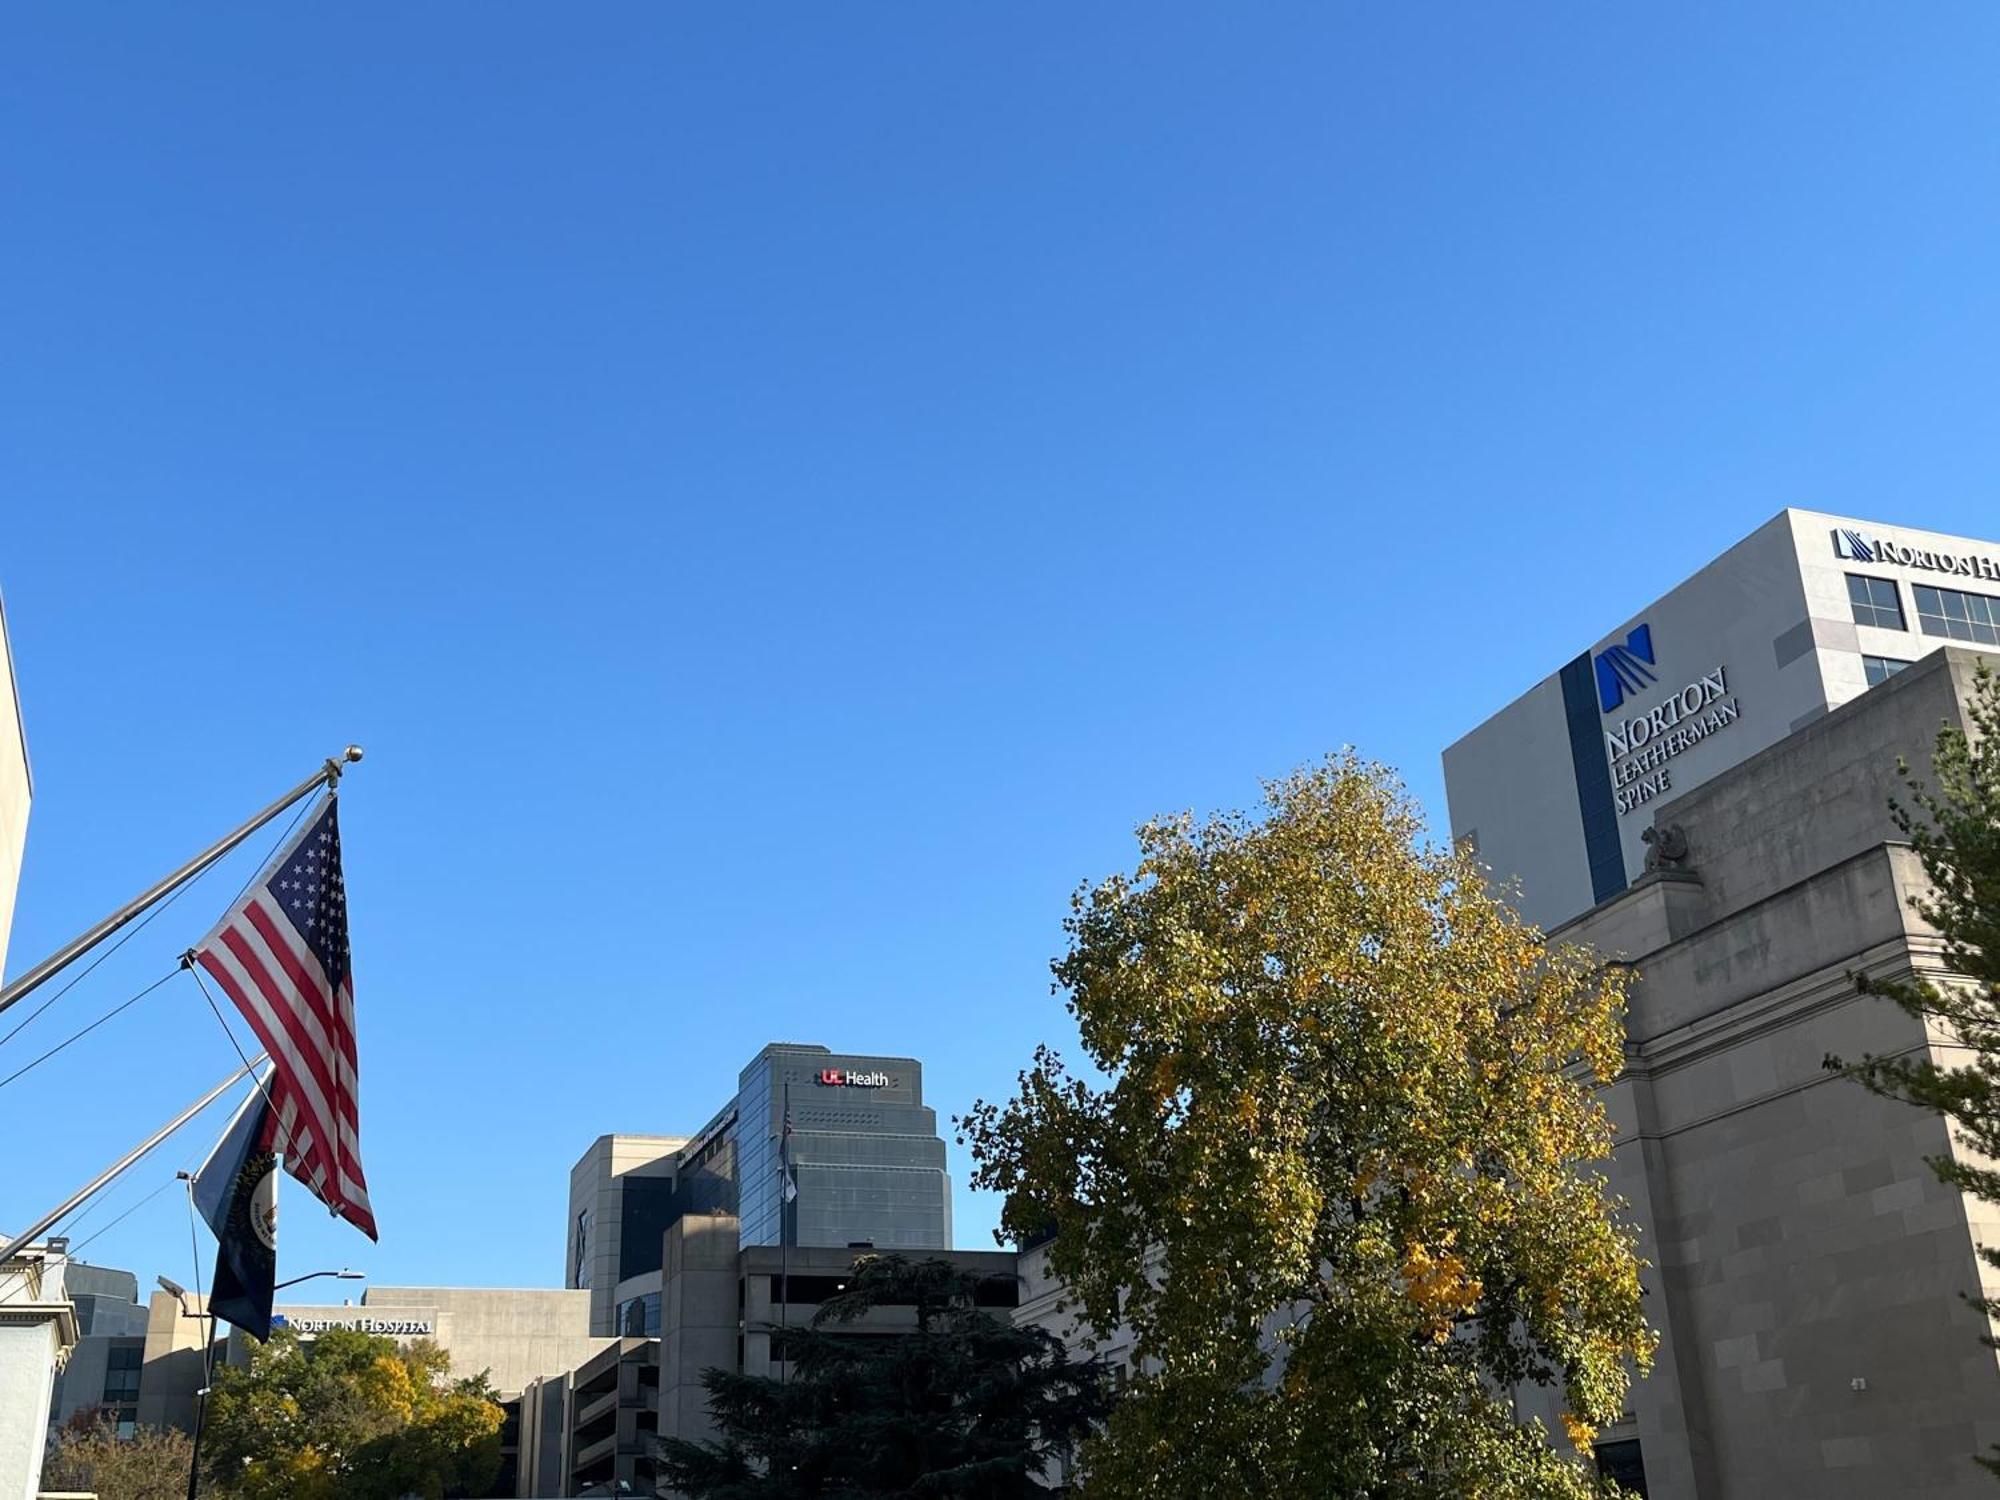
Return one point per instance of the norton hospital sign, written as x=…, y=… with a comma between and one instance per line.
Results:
x=1858, y=546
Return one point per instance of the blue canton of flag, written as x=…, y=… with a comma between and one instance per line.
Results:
x=313, y=894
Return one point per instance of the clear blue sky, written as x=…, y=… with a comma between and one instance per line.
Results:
x=781, y=491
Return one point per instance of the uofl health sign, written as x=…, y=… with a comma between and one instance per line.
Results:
x=847, y=1078
x=1641, y=744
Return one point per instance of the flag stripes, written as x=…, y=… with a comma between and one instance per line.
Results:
x=280, y=953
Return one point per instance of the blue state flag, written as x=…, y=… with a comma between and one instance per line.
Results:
x=236, y=1191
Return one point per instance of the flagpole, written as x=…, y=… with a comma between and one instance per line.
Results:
x=327, y=775
x=785, y=1239
x=111, y=1173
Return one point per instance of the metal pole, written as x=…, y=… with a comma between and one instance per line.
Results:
x=111, y=1173
x=207, y=1351
x=326, y=775
x=785, y=1239
x=201, y=1408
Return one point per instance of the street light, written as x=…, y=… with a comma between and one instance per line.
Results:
x=343, y=1274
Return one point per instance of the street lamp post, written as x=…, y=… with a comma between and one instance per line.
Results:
x=179, y=1293
x=343, y=1274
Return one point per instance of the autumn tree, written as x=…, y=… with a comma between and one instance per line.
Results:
x=1337, y=1176
x=1954, y=826
x=963, y=1404
x=88, y=1455
x=350, y=1415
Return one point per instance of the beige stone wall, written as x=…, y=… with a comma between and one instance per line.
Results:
x=514, y=1335
x=596, y=1188
x=1808, y=1269
x=15, y=791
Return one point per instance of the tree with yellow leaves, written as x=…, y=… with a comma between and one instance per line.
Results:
x=349, y=1415
x=1337, y=1181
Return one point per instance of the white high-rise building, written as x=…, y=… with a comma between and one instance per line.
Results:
x=1806, y=613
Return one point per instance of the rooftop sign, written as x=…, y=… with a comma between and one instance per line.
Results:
x=1859, y=546
x=847, y=1078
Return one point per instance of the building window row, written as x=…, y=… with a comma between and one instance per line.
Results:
x=1953, y=614
x=1957, y=615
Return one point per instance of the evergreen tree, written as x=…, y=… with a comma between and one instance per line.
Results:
x=964, y=1405
x=1955, y=829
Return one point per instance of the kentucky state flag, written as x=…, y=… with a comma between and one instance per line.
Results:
x=237, y=1192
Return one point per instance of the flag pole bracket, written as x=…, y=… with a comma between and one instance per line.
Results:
x=336, y=764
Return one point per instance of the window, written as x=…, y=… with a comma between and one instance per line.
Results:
x=1875, y=601
x=1622, y=1464
x=1881, y=668
x=639, y=1317
x=1958, y=616
x=122, y=1364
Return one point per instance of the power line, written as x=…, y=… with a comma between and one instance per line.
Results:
x=86, y=1031
x=140, y=926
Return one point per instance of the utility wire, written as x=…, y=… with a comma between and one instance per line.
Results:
x=102, y=1229
x=140, y=926
x=78, y=1036
x=125, y=937
x=241, y=1055
x=95, y=1203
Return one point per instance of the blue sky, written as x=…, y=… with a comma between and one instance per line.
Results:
x=781, y=491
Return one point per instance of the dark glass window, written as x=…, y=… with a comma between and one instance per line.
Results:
x=121, y=1371
x=1622, y=1464
x=1958, y=616
x=1881, y=668
x=639, y=1317
x=646, y=1209
x=1875, y=601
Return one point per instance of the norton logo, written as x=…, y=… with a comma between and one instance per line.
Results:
x=1625, y=670
x=1856, y=546
x=846, y=1078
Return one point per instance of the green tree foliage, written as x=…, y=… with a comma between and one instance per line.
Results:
x=963, y=1405
x=88, y=1454
x=351, y=1415
x=1336, y=1179
x=1955, y=830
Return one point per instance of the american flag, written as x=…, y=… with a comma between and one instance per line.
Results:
x=281, y=953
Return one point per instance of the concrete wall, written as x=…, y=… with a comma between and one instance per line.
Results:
x=37, y=1331
x=16, y=790
x=514, y=1335
x=699, y=1319
x=596, y=1191
x=172, y=1371
x=1808, y=1268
